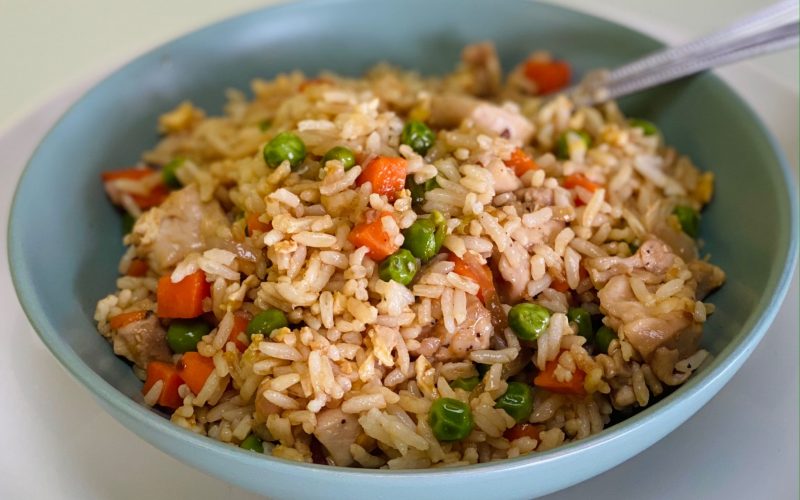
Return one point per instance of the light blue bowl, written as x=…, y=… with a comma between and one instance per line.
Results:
x=64, y=236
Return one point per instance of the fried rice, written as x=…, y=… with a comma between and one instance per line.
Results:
x=564, y=207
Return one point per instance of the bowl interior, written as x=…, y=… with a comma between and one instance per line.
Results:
x=65, y=236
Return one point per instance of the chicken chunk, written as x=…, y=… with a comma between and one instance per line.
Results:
x=658, y=334
x=473, y=333
x=708, y=276
x=164, y=235
x=142, y=341
x=653, y=256
x=660, y=222
x=449, y=110
x=514, y=268
x=504, y=178
x=336, y=431
x=534, y=198
x=503, y=122
x=528, y=237
x=646, y=328
x=663, y=364
x=481, y=63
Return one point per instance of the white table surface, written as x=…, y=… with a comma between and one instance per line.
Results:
x=56, y=442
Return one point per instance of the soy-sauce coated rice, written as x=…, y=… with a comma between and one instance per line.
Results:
x=363, y=359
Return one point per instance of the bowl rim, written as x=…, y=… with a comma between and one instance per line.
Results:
x=733, y=355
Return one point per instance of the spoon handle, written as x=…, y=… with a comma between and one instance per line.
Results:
x=772, y=29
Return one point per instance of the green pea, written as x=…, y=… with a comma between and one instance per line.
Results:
x=417, y=135
x=418, y=190
x=450, y=419
x=424, y=238
x=401, y=267
x=183, y=335
x=341, y=153
x=285, y=146
x=528, y=321
x=689, y=219
x=252, y=443
x=583, y=320
x=266, y=322
x=128, y=222
x=648, y=127
x=517, y=401
x=168, y=173
x=467, y=383
x=562, y=143
x=603, y=338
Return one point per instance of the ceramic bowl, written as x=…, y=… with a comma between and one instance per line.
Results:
x=64, y=236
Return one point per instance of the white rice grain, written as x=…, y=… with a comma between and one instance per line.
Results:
x=281, y=400
x=537, y=218
x=363, y=403
x=273, y=236
x=572, y=261
x=462, y=283
x=332, y=258
x=152, y=395
x=592, y=208
x=669, y=289
x=285, y=196
x=280, y=351
x=641, y=292
x=562, y=240
x=494, y=230
x=447, y=310
x=283, y=382
x=490, y=357
x=315, y=240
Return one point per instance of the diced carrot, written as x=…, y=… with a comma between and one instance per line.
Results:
x=523, y=430
x=372, y=236
x=580, y=180
x=560, y=286
x=168, y=374
x=546, y=380
x=135, y=173
x=387, y=175
x=194, y=369
x=253, y=224
x=120, y=320
x=521, y=162
x=477, y=272
x=240, y=321
x=548, y=76
x=137, y=268
x=155, y=197
x=183, y=299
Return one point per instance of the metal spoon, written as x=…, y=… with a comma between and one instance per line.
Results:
x=772, y=29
